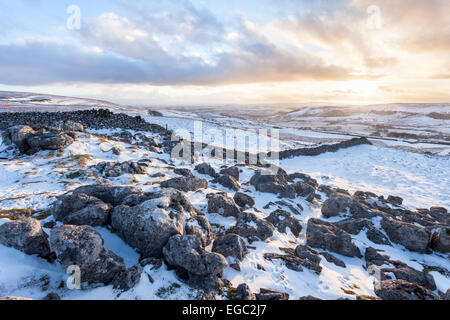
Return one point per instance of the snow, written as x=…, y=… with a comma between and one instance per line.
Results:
x=382, y=171
x=34, y=182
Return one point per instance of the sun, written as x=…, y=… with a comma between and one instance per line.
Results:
x=359, y=87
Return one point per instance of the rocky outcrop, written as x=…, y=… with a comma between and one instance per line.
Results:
x=355, y=226
x=149, y=225
x=128, y=278
x=243, y=200
x=81, y=209
x=324, y=235
x=335, y=205
x=222, y=204
x=440, y=240
x=231, y=171
x=228, y=182
x=273, y=183
x=187, y=253
x=270, y=294
x=30, y=141
x=186, y=184
x=199, y=227
x=243, y=293
x=116, y=169
x=231, y=245
x=412, y=237
x=403, y=290
x=25, y=235
x=82, y=246
x=205, y=168
x=250, y=226
x=72, y=126
x=282, y=220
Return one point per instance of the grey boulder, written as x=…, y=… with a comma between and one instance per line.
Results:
x=282, y=220
x=186, y=184
x=324, y=235
x=149, y=225
x=81, y=209
x=25, y=235
x=231, y=245
x=412, y=237
x=250, y=226
x=243, y=200
x=187, y=252
x=82, y=246
x=222, y=204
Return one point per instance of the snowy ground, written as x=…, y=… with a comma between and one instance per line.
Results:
x=34, y=182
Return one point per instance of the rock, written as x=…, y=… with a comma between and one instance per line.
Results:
x=30, y=141
x=127, y=279
x=270, y=294
x=25, y=235
x=231, y=245
x=403, y=290
x=446, y=296
x=324, y=235
x=187, y=252
x=185, y=184
x=250, y=226
x=409, y=235
x=199, y=226
x=335, y=205
x=116, y=151
x=222, y=204
x=81, y=209
x=372, y=257
x=440, y=240
x=205, y=168
x=49, y=224
x=116, y=169
x=52, y=297
x=73, y=126
x=228, y=182
x=439, y=214
x=282, y=219
x=294, y=177
x=310, y=258
x=243, y=200
x=243, y=293
x=353, y=226
x=113, y=195
x=376, y=236
x=208, y=283
x=48, y=140
x=332, y=259
x=413, y=276
x=19, y=135
x=305, y=190
x=231, y=171
x=149, y=225
x=276, y=184
x=183, y=172
x=396, y=201
x=82, y=246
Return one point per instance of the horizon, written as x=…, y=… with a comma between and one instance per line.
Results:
x=192, y=53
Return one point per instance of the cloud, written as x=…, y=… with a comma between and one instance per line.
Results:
x=179, y=43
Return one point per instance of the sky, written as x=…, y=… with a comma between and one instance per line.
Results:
x=228, y=52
